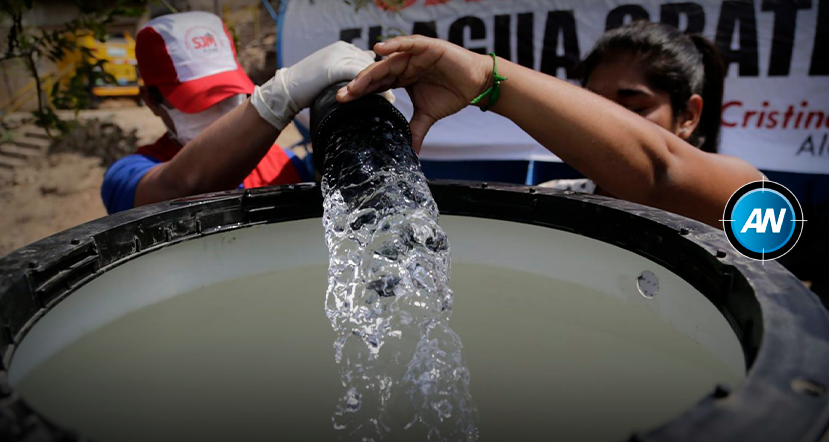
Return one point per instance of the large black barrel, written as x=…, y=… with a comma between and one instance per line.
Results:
x=755, y=317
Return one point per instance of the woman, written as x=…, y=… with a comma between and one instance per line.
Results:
x=639, y=130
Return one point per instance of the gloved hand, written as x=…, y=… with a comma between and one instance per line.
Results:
x=295, y=88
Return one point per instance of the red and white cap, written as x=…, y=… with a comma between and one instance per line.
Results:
x=191, y=58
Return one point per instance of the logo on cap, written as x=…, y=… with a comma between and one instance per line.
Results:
x=203, y=42
x=763, y=220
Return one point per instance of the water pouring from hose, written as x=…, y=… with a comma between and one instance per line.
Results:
x=388, y=297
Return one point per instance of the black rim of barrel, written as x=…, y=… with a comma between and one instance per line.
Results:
x=781, y=325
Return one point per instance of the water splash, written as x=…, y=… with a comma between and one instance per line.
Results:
x=388, y=297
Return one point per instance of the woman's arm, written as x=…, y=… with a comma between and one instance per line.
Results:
x=622, y=152
x=627, y=155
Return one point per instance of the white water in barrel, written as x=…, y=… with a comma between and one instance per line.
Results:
x=389, y=303
x=250, y=359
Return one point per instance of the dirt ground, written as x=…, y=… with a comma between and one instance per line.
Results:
x=59, y=191
x=55, y=192
x=49, y=195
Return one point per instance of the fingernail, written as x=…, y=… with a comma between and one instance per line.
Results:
x=380, y=43
x=342, y=92
x=351, y=83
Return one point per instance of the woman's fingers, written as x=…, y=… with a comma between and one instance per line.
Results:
x=407, y=43
x=372, y=78
x=413, y=44
x=384, y=84
x=405, y=62
x=391, y=67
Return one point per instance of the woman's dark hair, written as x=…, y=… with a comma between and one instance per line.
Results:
x=679, y=64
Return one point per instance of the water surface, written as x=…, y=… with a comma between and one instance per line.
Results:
x=252, y=360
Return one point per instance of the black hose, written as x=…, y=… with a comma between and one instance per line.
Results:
x=353, y=141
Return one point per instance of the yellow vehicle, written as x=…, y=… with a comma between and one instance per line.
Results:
x=118, y=52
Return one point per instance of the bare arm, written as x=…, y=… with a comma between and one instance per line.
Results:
x=217, y=159
x=226, y=152
x=622, y=152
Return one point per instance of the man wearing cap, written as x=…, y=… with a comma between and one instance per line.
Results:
x=191, y=79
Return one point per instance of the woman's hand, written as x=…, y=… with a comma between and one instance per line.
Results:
x=441, y=78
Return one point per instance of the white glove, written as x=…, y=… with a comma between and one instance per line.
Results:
x=295, y=88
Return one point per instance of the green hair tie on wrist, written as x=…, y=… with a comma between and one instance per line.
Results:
x=495, y=90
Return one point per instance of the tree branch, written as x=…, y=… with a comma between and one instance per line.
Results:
x=38, y=87
x=13, y=55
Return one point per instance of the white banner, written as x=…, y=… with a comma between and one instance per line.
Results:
x=776, y=106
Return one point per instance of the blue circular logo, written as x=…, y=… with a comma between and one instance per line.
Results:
x=763, y=220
